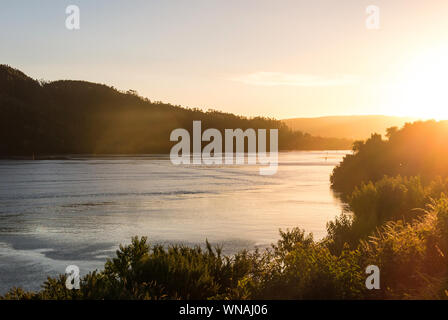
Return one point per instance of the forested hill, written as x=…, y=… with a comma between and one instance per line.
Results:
x=351, y=127
x=78, y=117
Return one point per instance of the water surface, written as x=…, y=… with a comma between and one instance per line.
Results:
x=60, y=212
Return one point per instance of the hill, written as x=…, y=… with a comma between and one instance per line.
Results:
x=351, y=127
x=79, y=117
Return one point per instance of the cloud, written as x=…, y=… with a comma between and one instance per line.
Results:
x=295, y=79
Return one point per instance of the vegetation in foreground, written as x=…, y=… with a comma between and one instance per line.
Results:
x=397, y=219
x=411, y=256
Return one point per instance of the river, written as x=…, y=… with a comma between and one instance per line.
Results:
x=54, y=213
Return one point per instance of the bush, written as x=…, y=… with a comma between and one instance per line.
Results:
x=373, y=204
x=417, y=149
x=411, y=255
x=303, y=269
x=140, y=271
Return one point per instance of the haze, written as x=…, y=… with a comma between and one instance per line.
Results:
x=280, y=59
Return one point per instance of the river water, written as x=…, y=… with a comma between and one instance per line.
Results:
x=59, y=212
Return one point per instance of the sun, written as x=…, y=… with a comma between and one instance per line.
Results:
x=421, y=89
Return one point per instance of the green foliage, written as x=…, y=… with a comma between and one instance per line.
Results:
x=367, y=163
x=295, y=268
x=412, y=258
x=395, y=191
x=417, y=149
x=303, y=269
x=78, y=117
x=141, y=271
x=373, y=204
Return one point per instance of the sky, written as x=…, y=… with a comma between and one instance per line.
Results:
x=280, y=59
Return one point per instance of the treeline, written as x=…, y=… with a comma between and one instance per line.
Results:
x=396, y=218
x=417, y=149
x=78, y=117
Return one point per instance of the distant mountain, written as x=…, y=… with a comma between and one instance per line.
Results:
x=351, y=127
x=78, y=117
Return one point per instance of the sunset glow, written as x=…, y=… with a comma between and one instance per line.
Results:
x=215, y=157
x=282, y=60
x=422, y=87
